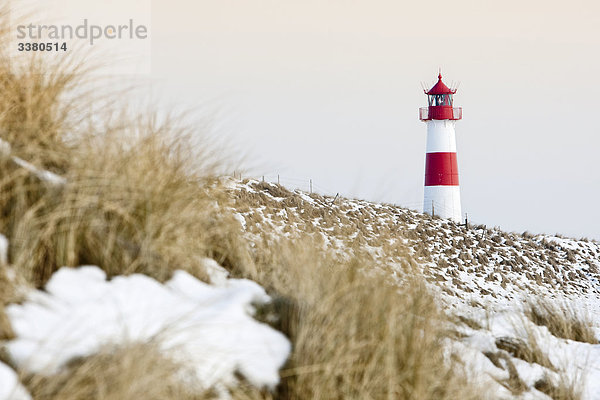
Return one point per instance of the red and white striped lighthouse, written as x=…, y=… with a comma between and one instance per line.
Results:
x=442, y=193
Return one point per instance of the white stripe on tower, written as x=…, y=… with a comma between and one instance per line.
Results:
x=441, y=137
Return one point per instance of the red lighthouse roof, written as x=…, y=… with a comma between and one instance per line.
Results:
x=440, y=87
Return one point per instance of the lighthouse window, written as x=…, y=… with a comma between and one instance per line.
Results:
x=440, y=100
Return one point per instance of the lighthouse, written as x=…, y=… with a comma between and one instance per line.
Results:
x=442, y=192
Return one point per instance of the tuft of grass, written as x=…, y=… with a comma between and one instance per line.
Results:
x=6, y=332
x=565, y=387
x=527, y=349
x=562, y=320
x=136, y=197
x=354, y=334
x=137, y=371
x=513, y=383
x=135, y=206
x=11, y=290
x=470, y=322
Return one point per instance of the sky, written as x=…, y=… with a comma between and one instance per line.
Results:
x=329, y=90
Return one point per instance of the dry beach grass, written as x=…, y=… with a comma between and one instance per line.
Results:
x=563, y=320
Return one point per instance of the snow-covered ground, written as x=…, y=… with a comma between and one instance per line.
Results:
x=579, y=362
x=207, y=328
x=10, y=387
x=480, y=273
x=481, y=276
x=469, y=263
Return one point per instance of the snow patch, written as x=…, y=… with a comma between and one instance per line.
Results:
x=10, y=387
x=217, y=274
x=208, y=329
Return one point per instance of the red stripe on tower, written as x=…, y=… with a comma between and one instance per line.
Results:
x=441, y=169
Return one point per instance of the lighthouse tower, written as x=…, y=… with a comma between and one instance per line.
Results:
x=442, y=193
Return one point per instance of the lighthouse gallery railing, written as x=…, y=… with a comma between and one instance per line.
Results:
x=425, y=115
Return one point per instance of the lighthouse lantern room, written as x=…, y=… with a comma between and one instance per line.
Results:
x=442, y=192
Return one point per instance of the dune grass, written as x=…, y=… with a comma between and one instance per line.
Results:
x=131, y=207
x=563, y=320
x=133, y=188
x=133, y=372
x=355, y=335
x=564, y=387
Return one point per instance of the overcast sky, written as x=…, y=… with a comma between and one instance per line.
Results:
x=329, y=91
